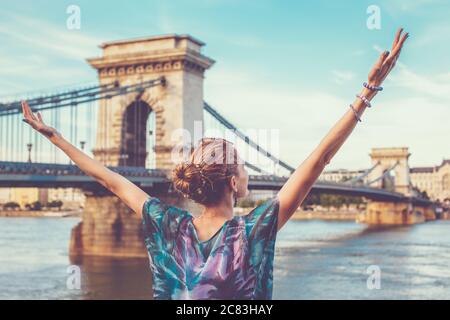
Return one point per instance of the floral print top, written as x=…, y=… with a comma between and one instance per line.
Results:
x=236, y=263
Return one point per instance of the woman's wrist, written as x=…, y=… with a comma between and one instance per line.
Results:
x=56, y=138
x=369, y=94
x=362, y=101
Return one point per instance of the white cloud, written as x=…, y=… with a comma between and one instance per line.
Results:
x=341, y=77
x=250, y=101
x=358, y=52
x=409, y=6
x=414, y=118
x=34, y=51
x=57, y=39
x=437, y=33
x=437, y=85
x=429, y=85
x=34, y=65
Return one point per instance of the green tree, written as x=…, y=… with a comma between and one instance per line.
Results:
x=55, y=204
x=36, y=206
x=11, y=205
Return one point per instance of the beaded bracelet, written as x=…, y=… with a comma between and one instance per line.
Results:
x=375, y=88
x=356, y=113
x=365, y=100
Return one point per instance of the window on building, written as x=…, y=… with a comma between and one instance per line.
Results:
x=446, y=182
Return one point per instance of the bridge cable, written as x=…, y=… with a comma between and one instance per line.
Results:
x=362, y=176
x=383, y=175
x=244, y=137
x=62, y=100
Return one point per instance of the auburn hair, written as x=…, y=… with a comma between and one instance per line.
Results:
x=206, y=175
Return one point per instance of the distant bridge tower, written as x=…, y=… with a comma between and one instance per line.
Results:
x=396, y=158
x=122, y=132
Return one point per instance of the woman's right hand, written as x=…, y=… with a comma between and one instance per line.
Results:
x=37, y=123
x=387, y=60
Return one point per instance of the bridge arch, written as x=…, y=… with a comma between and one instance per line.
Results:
x=137, y=129
x=388, y=181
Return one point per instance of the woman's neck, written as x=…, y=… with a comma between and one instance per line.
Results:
x=223, y=209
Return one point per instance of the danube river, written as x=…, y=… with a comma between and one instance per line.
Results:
x=314, y=260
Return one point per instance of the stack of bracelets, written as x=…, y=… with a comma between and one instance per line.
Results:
x=364, y=99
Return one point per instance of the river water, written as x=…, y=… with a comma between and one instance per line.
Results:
x=314, y=260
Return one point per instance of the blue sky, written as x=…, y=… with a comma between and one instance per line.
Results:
x=296, y=64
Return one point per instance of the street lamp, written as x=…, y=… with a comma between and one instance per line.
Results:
x=82, y=143
x=29, y=146
x=151, y=145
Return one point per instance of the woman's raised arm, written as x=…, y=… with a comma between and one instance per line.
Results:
x=133, y=196
x=301, y=181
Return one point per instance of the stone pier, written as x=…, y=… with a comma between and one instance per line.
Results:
x=395, y=213
x=109, y=228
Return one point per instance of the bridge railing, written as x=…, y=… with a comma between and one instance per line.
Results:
x=62, y=169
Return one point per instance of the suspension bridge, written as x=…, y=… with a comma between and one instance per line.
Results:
x=148, y=90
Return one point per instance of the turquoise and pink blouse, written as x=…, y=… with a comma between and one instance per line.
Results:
x=236, y=263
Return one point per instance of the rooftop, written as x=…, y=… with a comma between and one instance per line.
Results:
x=153, y=38
x=429, y=169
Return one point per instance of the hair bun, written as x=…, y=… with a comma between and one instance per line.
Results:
x=180, y=178
x=180, y=170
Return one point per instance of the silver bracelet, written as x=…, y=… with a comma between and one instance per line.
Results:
x=356, y=113
x=365, y=100
x=373, y=88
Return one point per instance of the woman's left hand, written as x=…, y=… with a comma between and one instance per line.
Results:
x=37, y=123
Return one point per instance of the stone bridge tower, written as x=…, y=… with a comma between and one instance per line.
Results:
x=379, y=212
x=121, y=134
x=387, y=158
x=108, y=228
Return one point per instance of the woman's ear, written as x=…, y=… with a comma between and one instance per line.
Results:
x=233, y=184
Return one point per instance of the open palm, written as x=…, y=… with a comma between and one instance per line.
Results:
x=387, y=60
x=36, y=122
